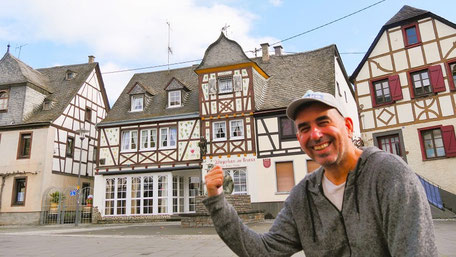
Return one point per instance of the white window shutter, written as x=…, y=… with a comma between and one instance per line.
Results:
x=212, y=86
x=237, y=79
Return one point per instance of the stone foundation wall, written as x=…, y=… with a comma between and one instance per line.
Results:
x=241, y=204
x=19, y=218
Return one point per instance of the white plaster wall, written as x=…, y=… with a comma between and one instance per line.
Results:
x=439, y=171
x=266, y=178
x=397, y=42
x=348, y=102
x=244, y=161
x=39, y=162
x=426, y=31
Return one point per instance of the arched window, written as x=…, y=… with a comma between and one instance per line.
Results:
x=3, y=100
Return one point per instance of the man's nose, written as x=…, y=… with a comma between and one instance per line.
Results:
x=315, y=133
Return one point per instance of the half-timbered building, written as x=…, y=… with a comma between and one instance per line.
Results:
x=242, y=108
x=405, y=88
x=41, y=112
x=149, y=159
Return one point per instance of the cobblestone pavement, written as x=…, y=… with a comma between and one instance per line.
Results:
x=151, y=239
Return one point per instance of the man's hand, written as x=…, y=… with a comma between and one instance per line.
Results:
x=214, y=181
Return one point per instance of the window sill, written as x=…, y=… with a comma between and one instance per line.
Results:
x=137, y=110
x=293, y=138
x=129, y=151
x=219, y=140
x=437, y=158
x=225, y=93
x=384, y=104
x=18, y=205
x=424, y=95
x=167, y=148
x=23, y=157
x=236, y=138
x=148, y=149
x=413, y=45
x=173, y=107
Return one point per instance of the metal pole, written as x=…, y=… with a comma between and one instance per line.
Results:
x=76, y=223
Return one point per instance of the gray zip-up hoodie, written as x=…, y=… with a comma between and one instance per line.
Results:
x=384, y=213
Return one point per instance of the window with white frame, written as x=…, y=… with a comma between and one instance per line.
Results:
x=148, y=195
x=168, y=137
x=225, y=85
x=162, y=198
x=121, y=196
x=148, y=139
x=237, y=129
x=137, y=103
x=174, y=98
x=129, y=140
x=239, y=177
x=178, y=194
x=109, y=196
x=219, y=130
x=135, y=195
x=3, y=100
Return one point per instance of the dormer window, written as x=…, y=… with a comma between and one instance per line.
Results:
x=46, y=105
x=225, y=85
x=137, y=103
x=174, y=98
x=4, y=100
x=70, y=75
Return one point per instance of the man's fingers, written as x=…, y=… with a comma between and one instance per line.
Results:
x=214, y=180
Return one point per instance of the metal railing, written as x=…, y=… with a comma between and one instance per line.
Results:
x=432, y=192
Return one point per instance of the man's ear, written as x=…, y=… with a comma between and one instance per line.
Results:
x=349, y=126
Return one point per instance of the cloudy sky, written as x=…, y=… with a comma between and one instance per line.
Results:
x=134, y=34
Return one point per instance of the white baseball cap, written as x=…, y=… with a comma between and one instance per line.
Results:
x=311, y=96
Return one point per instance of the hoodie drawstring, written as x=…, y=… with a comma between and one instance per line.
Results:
x=314, y=233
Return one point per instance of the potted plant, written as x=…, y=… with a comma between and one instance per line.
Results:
x=89, y=200
x=55, y=198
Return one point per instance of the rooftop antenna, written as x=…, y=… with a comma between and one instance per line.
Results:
x=225, y=29
x=170, y=51
x=20, y=48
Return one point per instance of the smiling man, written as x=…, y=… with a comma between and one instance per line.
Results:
x=360, y=202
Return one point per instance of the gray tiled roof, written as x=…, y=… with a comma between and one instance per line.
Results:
x=64, y=90
x=405, y=13
x=223, y=52
x=292, y=75
x=156, y=82
x=14, y=71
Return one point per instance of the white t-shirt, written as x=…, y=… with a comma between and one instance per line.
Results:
x=335, y=193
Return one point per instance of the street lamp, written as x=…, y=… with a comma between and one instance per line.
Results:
x=82, y=135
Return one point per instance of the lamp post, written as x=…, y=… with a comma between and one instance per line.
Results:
x=82, y=135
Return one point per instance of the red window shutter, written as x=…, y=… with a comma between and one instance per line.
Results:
x=449, y=140
x=395, y=87
x=437, y=82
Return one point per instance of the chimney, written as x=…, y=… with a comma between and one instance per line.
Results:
x=278, y=50
x=265, y=52
x=91, y=58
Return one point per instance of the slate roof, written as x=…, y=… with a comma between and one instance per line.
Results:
x=223, y=52
x=157, y=82
x=64, y=90
x=14, y=71
x=51, y=81
x=292, y=75
x=406, y=14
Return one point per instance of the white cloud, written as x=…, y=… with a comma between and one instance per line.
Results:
x=276, y=2
x=122, y=32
